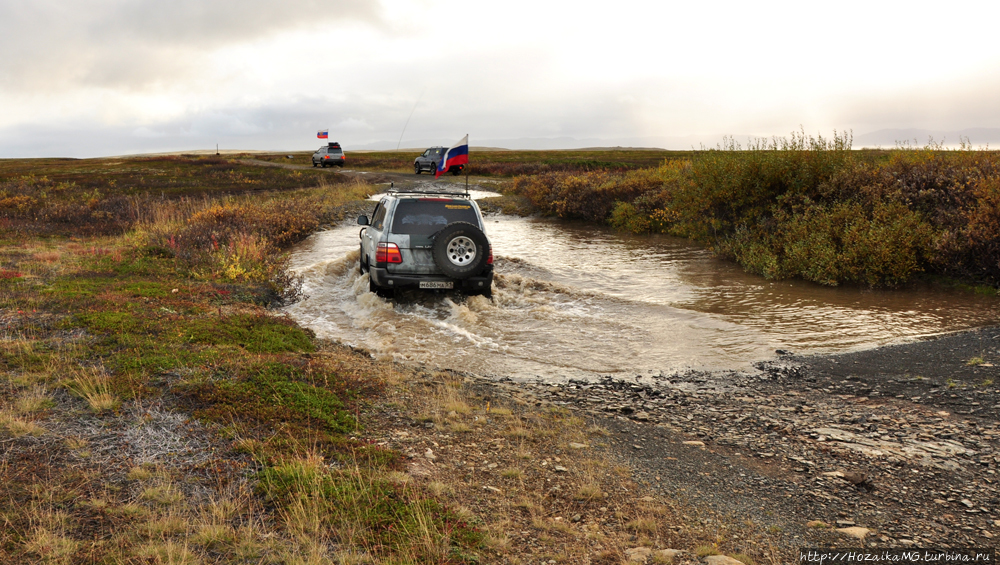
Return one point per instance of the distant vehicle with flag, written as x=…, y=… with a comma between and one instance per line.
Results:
x=329, y=155
x=443, y=160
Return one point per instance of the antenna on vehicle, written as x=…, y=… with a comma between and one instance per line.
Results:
x=408, y=118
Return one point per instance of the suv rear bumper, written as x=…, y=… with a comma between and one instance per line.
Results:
x=383, y=278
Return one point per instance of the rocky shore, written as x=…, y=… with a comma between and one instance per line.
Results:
x=896, y=447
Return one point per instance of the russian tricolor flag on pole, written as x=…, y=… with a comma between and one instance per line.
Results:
x=323, y=134
x=458, y=154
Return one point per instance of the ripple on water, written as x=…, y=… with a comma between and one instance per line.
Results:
x=573, y=301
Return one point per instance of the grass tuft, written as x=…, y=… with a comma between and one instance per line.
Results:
x=94, y=387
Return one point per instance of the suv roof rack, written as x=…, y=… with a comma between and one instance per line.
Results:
x=395, y=192
x=419, y=193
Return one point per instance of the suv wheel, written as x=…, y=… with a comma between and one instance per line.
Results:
x=416, y=168
x=378, y=290
x=460, y=250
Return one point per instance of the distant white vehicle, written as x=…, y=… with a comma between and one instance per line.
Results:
x=329, y=155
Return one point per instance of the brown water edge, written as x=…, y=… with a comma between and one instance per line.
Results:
x=579, y=301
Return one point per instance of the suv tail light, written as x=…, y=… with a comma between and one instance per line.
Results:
x=489, y=260
x=388, y=253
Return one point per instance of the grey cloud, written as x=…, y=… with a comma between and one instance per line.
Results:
x=209, y=23
x=354, y=121
x=134, y=43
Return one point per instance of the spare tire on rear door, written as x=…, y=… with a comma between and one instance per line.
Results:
x=460, y=250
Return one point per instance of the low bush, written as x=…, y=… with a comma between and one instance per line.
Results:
x=591, y=196
x=806, y=207
x=240, y=239
x=272, y=394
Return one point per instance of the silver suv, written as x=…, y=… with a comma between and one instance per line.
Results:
x=329, y=155
x=428, y=161
x=426, y=240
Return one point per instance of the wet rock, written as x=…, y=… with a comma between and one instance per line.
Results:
x=722, y=560
x=845, y=523
x=638, y=554
x=855, y=532
x=855, y=478
x=928, y=461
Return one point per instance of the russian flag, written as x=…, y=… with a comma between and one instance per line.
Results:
x=323, y=134
x=458, y=154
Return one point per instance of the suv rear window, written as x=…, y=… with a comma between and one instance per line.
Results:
x=425, y=217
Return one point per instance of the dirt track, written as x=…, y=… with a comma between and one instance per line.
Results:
x=373, y=177
x=854, y=440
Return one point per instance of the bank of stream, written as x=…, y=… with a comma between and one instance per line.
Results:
x=574, y=301
x=756, y=402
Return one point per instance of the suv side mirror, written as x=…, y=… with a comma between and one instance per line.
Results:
x=362, y=220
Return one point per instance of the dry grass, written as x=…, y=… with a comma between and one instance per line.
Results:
x=706, y=550
x=143, y=473
x=643, y=524
x=93, y=385
x=589, y=492
x=51, y=547
x=37, y=399
x=164, y=495
x=19, y=427
x=47, y=256
x=512, y=473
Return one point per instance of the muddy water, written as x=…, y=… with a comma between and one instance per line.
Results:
x=574, y=301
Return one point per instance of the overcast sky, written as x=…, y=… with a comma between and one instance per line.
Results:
x=106, y=77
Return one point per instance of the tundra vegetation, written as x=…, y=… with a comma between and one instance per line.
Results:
x=806, y=207
x=492, y=163
x=155, y=409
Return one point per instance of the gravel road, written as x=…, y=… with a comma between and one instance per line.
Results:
x=899, y=445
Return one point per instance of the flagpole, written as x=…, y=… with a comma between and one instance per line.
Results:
x=466, y=173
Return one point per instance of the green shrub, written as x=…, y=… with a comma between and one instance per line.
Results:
x=806, y=207
x=272, y=394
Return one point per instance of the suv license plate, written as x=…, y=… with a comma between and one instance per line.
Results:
x=437, y=284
